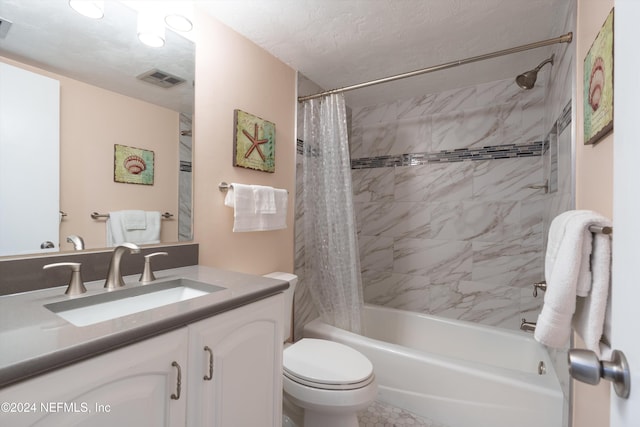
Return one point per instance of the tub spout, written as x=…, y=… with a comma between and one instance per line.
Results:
x=527, y=326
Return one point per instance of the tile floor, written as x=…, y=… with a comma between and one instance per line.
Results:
x=380, y=414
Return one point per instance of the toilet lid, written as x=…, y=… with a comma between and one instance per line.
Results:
x=326, y=363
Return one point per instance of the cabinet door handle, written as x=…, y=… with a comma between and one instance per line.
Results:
x=210, y=375
x=176, y=395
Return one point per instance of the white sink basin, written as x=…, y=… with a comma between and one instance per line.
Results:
x=111, y=305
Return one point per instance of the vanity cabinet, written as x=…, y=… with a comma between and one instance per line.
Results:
x=131, y=386
x=224, y=371
x=235, y=367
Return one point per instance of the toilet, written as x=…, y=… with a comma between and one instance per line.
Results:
x=328, y=381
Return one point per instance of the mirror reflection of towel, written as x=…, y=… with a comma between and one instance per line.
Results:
x=128, y=226
x=134, y=220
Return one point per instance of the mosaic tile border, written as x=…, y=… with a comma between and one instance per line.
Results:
x=505, y=151
x=565, y=118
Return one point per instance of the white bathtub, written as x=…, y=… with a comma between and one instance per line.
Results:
x=457, y=373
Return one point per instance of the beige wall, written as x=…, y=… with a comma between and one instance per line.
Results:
x=594, y=190
x=594, y=163
x=92, y=120
x=233, y=73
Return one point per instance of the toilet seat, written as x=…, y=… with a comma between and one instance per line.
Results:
x=326, y=365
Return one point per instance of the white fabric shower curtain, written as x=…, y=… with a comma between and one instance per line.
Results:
x=332, y=262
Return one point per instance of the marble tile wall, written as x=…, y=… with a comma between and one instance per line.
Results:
x=446, y=225
x=185, y=180
x=447, y=221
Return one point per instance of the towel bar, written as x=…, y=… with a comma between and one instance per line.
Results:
x=599, y=229
x=224, y=187
x=96, y=215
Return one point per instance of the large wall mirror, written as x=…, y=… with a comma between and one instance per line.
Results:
x=114, y=90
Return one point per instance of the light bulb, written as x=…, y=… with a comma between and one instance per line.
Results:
x=178, y=22
x=151, y=28
x=93, y=9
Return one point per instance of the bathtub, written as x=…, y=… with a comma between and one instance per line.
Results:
x=457, y=373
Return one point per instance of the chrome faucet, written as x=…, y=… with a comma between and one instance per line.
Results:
x=114, y=277
x=78, y=243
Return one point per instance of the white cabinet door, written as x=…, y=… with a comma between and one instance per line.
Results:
x=131, y=386
x=236, y=381
x=29, y=161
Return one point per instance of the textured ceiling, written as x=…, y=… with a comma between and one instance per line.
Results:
x=338, y=43
x=335, y=43
x=105, y=53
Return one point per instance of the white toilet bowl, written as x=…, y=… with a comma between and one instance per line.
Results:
x=330, y=382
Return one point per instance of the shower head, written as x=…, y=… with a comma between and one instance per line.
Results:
x=527, y=79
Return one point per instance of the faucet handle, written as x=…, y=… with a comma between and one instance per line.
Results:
x=76, y=285
x=147, y=274
x=542, y=285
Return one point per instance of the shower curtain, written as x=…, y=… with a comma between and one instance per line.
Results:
x=332, y=263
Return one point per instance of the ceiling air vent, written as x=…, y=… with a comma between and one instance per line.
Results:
x=160, y=78
x=5, y=24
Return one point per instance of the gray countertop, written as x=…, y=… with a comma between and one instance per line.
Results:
x=34, y=340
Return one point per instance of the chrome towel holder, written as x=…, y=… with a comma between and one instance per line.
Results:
x=96, y=215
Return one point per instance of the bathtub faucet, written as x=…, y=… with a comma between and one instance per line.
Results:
x=527, y=326
x=539, y=285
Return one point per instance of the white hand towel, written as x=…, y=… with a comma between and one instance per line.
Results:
x=264, y=199
x=557, y=232
x=245, y=217
x=570, y=270
x=117, y=232
x=240, y=198
x=589, y=319
x=134, y=220
x=277, y=220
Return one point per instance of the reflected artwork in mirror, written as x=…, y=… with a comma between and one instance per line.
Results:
x=113, y=89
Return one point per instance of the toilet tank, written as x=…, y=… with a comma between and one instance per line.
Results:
x=287, y=325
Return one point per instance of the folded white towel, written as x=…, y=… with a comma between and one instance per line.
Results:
x=589, y=319
x=247, y=218
x=134, y=220
x=264, y=199
x=118, y=233
x=577, y=263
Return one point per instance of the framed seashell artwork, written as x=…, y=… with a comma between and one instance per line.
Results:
x=254, y=142
x=133, y=165
x=598, y=85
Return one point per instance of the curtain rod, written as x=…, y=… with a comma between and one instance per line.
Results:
x=566, y=38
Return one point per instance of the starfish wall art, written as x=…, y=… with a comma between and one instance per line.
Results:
x=254, y=142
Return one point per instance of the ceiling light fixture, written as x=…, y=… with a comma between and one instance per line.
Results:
x=93, y=9
x=151, y=29
x=178, y=22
